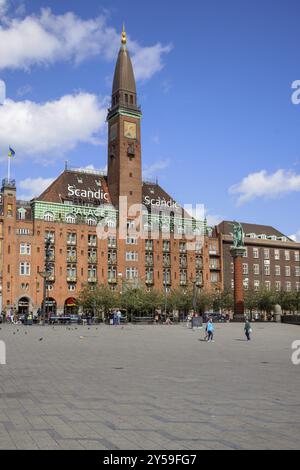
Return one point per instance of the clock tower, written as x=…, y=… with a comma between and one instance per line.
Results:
x=124, y=133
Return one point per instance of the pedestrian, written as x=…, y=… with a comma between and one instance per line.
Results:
x=210, y=328
x=119, y=316
x=248, y=329
x=168, y=320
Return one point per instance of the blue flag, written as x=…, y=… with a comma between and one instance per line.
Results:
x=11, y=152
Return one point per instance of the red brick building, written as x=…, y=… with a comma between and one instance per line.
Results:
x=151, y=240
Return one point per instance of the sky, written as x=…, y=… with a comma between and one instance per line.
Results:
x=217, y=83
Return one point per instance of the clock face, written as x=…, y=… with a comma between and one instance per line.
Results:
x=130, y=130
x=113, y=132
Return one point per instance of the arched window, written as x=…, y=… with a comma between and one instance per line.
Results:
x=49, y=217
x=71, y=219
x=91, y=221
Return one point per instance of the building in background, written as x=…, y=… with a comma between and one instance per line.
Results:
x=272, y=260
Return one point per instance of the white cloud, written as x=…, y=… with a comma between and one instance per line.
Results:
x=148, y=60
x=33, y=187
x=24, y=90
x=214, y=219
x=54, y=127
x=3, y=6
x=47, y=38
x=152, y=170
x=264, y=185
x=2, y=92
x=296, y=236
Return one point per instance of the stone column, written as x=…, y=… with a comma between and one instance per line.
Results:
x=239, y=309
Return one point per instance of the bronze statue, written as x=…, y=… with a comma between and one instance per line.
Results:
x=238, y=235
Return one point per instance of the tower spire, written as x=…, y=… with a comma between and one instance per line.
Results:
x=124, y=37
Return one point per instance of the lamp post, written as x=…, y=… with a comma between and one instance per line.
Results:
x=45, y=275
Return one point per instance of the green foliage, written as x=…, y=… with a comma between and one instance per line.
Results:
x=100, y=300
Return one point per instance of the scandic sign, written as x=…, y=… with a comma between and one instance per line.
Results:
x=87, y=193
x=161, y=202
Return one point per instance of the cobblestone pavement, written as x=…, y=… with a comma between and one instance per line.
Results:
x=149, y=387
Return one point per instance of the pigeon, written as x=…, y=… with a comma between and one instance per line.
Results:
x=41, y=339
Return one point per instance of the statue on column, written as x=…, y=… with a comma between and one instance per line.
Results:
x=238, y=235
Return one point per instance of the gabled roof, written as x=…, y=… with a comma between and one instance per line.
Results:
x=59, y=191
x=226, y=228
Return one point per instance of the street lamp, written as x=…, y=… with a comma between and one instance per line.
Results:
x=45, y=275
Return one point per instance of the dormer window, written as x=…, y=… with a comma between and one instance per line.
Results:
x=49, y=217
x=70, y=219
x=21, y=213
x=79, y=180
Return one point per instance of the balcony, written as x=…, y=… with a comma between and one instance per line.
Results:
x=166, y=263
x=92, y=280
x=150, y=282
x=149, y=247
x=112, y=280
x=71, y=242
x=183, y=282
x=71, y=278
x=92, y=243
x=166, y=249
x=112, y=245
x=92, y=259
x=112, y=261
x=51, y=278
x=72, y=259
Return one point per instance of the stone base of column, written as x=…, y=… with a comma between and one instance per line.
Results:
x=238, y=318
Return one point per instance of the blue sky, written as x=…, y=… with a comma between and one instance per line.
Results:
x=214, y=83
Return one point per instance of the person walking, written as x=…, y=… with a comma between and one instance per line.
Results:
x=210, y=331
x=248, y=329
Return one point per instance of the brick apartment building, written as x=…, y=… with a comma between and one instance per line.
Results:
x=272, y=259
x=72, y=207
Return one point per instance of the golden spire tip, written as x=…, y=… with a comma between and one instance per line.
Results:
x=124, y=38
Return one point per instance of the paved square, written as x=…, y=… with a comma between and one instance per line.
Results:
x=149, y=387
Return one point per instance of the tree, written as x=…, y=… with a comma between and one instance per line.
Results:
x=181, y=299
x=251, y=300
x=204, y=301
x=99, y=300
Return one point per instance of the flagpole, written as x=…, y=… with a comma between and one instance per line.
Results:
x=8, y=170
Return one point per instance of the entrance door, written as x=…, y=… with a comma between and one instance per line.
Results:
x=23, y=306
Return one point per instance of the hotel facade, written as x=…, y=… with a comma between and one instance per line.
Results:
x=115, y=228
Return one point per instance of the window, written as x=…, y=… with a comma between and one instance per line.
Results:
x=131, y=241
x=256, y=269
x=21, y=213
x=92, y=240
x=131, y=256
x=131, y=273
x=255, y=253
x=91, y=221
x=267, y=270
x=266, y=253
x=297, y=271
x=277, y=255
x=49, y=217
x=256, y=285
x=112, y=242
x=268, y=285
x=297, y=256
x=245, y=268
x=277, y=271
x=245, y=254
x=277, y=286
x=287, y=271
x=246, y=284
x=23, y=231
x=214, y=277
x=287, y=255
x=71, y=238
x=70, y=219
x=298, y=286
x=25, y=249
x=112, y=274
x=288, y=286
x=24, y=269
